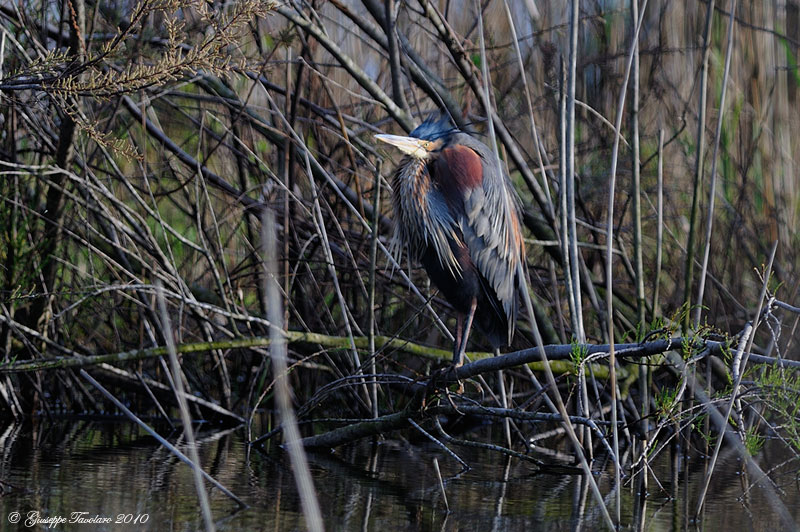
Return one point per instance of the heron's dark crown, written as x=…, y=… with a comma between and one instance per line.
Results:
x=436, y=126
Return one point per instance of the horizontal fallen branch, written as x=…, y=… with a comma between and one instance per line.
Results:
x=514, y=413
x=292, y=337
x=400, y=420
x=558, y=355
x=363, y=429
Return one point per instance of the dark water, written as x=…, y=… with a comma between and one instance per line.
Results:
x=115, y=471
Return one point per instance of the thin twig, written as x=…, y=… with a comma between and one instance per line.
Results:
x=713, y=188
x=659, y=223
x=302, y=474
x=174, y=450
x=441, y=483
x=699, y=167
x=724, y=420
x=609, y=255
x=439, y=444
x=186, y=419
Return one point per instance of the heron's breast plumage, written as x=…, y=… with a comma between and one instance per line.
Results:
x=425, y=221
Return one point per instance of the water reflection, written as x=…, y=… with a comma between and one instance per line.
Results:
x=112, y=468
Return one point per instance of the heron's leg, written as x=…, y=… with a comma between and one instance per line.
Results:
x=458, y=356
x=459, y=332
x=503, y=399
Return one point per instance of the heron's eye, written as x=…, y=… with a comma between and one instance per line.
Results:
x=431, y=145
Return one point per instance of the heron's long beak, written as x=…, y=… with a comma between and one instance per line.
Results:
x=412, y=146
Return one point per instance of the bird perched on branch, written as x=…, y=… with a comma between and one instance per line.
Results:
x=457, y=214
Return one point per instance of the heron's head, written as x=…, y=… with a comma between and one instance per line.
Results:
x=427, y=139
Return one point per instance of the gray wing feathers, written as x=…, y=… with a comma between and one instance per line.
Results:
x=489, y=226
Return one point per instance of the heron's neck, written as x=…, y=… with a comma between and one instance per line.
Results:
x=412, y=185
